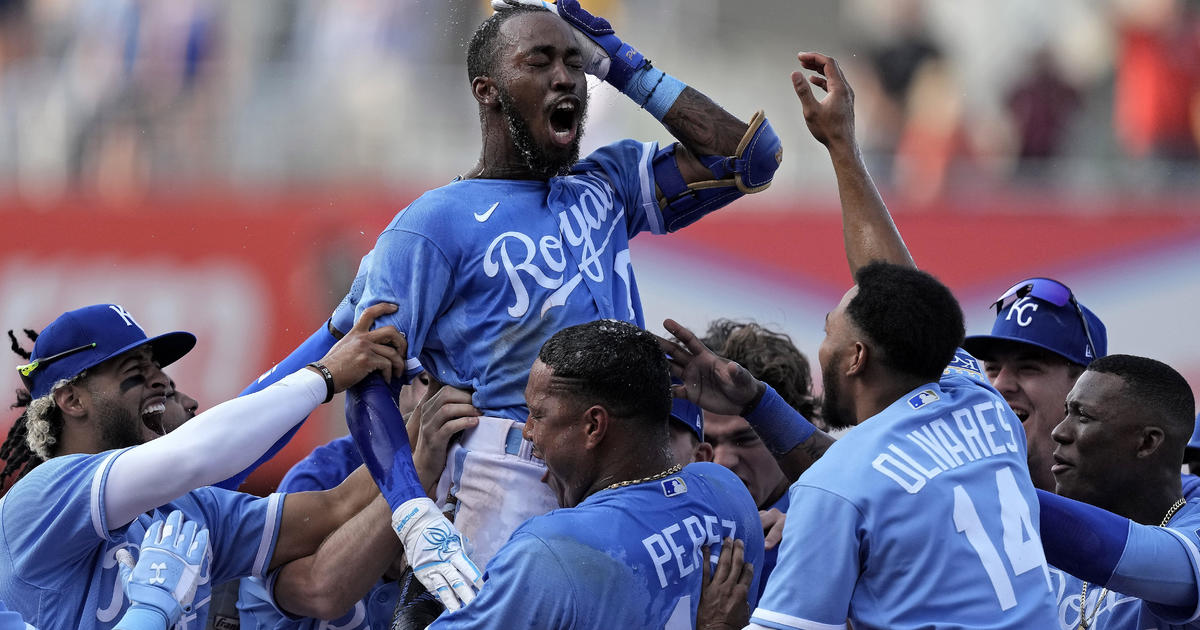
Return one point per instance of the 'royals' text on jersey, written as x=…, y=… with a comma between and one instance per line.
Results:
x=484, y=271
x=923, y=514
x=623, y=558
x=58, y=564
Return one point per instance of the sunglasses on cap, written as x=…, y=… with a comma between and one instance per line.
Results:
x=1047, y=290
x=28, y=369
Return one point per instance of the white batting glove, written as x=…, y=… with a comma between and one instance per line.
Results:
x=595, y=59
x=167, y=572
x=435, y=552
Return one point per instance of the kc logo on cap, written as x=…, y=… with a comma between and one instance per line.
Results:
x=88, y=336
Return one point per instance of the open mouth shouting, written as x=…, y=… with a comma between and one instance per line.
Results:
x=153, y=409
x=564, y=118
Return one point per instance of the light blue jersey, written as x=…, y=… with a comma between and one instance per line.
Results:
x=326, y=467
x=623, y=558
x=1123, y=612
x=923, y=516
x=485, y=271
x=57, y=550
x=771, y=556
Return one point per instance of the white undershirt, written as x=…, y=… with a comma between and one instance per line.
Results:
x=209, y=448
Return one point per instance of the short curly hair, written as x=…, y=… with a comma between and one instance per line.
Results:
x=770, y=356
x=912, y=318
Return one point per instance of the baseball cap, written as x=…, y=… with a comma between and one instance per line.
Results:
x=689, y=414
x=1044, y=313
x=89, y=336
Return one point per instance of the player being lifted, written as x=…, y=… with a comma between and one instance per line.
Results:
x=529, y=241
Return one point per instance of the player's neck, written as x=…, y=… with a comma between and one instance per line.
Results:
x=632, y=466
x=880, y=394
x=500, y=159
x=1147, y=503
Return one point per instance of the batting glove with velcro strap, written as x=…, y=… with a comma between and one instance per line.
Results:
x=162, y=585
x=605, y=56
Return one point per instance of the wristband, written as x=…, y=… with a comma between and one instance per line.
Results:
x=779, y=425
x=654, y=90
x=329, y=389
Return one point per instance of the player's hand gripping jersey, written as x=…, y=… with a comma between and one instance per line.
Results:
x=945, y=532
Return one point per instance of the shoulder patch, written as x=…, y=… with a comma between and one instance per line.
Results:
x=673, y=486
x=922, y=398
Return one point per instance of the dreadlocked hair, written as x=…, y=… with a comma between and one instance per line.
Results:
x=19, y=458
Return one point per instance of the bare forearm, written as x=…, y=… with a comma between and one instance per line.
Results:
x=310, y=517
x=867, y=226
x=799, y=459
x=327, y=584
x=702, y=126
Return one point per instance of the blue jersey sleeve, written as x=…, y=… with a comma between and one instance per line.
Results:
x=627, y=167
x=525, y=585
x=243, y=530
x=797, y=596
x=412, y=272
x=54, y=517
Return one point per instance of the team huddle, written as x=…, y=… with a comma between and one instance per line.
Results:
x=523, y=453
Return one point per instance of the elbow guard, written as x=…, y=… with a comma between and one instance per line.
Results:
x=750, y=170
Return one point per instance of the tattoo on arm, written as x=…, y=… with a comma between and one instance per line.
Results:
x=702, y=126
x=806, y=453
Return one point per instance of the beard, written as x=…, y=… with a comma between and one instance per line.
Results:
x=118, y=427
x=831, y=411
x=536, y=157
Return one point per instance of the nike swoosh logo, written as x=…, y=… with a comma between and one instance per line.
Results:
x=484, y=217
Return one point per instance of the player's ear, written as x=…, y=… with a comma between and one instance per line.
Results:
x=703, y=452
x=1151, y=439
x=858, y=359
x=596, y=421
x=69, y=399
x=485, y=91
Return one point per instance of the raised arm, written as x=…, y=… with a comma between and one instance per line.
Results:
x=867, y=226
x=722, y=386
x=717, y=150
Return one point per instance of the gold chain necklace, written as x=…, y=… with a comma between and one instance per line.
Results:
x=666, y=473
x=1084, y=622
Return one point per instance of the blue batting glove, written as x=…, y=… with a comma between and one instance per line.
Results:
x=605, y=56
x=343, y=318
x=162, y=585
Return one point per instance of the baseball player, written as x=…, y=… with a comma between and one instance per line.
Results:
x=1122, y=537
x=923, y=514
x=98, y=395
x=161, y=585
x=627, y=552
x=530, y=241
x=1040, y=342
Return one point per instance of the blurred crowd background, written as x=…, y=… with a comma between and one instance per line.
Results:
x=956, y=97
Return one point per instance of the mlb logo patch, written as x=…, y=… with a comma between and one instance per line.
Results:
x=924, y=397
x=673, y=487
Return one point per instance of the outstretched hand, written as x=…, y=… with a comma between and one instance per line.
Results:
x=363, y=350
x=714, y=383
x=830, y=120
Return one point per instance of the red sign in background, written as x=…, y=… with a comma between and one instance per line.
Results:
x=253, y=275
